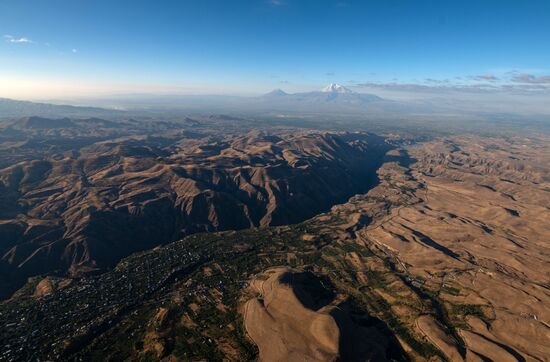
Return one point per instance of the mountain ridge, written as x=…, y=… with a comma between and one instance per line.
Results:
x=12, y=108
x=82, y=210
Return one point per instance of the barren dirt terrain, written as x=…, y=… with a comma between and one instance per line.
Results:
x=475, y=231
x=296, y=317
x=82, y=210
x=446, y=258
x=283, y=328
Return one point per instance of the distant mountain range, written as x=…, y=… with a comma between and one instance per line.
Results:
x=10, y=108
x=332, y=88
x=333, y=97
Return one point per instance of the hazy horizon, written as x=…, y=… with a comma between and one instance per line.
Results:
x=396, y=49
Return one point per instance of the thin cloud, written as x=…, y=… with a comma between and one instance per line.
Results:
x=17, y=40
x=511, y=82
x=434, y=81
x=531, y=79
x=485, y=78
x=24, y=40
x=277, y=2
x=414, y=87
x=463, y=88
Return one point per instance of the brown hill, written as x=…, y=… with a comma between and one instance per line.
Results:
x=83, y=211
x=295, y=318
x=446, y=257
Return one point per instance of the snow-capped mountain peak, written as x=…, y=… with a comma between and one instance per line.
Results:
x=336, y=88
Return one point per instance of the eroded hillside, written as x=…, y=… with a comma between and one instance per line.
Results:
x=446, y=259
x=84, y=209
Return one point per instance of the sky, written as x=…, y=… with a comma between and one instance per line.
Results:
x=72, y=48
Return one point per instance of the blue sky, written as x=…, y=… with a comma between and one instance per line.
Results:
x=51, y=48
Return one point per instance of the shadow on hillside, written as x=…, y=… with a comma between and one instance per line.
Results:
x=362, y=337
